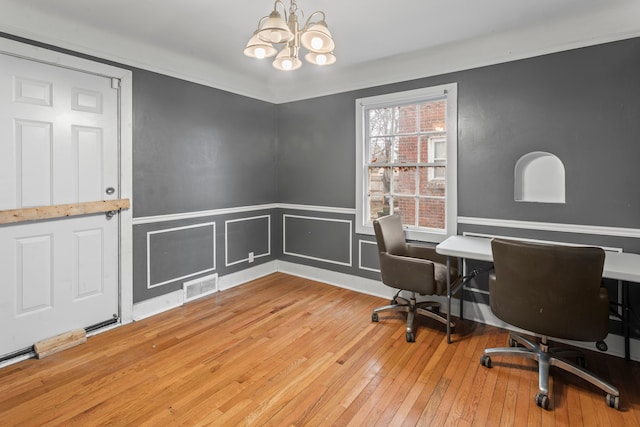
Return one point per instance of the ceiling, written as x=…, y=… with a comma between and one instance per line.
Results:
x=377, y=42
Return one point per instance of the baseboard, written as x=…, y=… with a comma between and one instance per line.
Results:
x=235, y=279
x=354, y=283
x=162, y=303
x=157, y=305
x=341, y=280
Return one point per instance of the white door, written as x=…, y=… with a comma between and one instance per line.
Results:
x=58, y=145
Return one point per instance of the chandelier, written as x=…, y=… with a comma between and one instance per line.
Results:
x=314, y=37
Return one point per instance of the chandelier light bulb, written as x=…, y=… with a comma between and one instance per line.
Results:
x=275, y=37
x=257, y=48
x=317, y=43
x=287, y=64
x=320, y=58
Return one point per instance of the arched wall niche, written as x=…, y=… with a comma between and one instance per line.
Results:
x=539, y=177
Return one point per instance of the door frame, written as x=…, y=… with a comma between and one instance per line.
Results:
x=125, y=149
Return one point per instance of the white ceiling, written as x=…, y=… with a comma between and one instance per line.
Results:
x=377, y=42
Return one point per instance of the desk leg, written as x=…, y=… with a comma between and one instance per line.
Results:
x=463, y=267
x=448, y=300
x=625, y=320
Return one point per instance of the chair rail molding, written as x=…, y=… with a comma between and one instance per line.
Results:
x=240, y=209
x=551, y=226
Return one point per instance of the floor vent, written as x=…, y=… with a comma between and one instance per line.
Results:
x=200, y=287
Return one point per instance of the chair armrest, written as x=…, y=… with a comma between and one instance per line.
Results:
x=424, y=251
x=424, y=266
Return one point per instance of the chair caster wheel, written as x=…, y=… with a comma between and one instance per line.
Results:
x=542, y=400
x=602, y=346
x=410, y=337
x=485, y=361
x=374, y=317
x=613, y=401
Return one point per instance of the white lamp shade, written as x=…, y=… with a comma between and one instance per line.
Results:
x=285, y=61
x=257, y=48
x=317, y=38
x=275, y=29
x=320, y=58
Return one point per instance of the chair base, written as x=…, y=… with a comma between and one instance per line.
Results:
x=547, y=357
x=411, y=307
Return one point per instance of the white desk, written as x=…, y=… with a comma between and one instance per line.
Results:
x=624, y=267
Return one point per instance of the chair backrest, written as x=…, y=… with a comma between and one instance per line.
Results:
x=551, y=290
x=390, y=235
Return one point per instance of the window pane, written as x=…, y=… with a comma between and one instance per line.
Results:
x=432, y=116
x=381, y=150
x=378, y=206
x=406, y=150
x=432, y=181
x=383, y=121
x=404, y=180
x=408, y=119
x=406, y=208
x=432, y=213
x=379, y=180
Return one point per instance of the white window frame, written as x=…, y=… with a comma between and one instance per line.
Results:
x=363, y=226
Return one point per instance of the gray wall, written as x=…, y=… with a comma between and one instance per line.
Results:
x=197, y=148
x=316, y=152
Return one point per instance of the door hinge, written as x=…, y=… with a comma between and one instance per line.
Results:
x=115, y=83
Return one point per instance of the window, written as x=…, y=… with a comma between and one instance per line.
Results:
x=406, y=161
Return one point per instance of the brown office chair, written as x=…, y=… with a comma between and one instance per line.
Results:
x=551, y=291
x=410, y=267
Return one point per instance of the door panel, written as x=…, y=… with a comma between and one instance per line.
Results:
x=34, y=286
x=58, y=145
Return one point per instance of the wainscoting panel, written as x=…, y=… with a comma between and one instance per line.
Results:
x=180, y=252
x=323, y=239
x=368, y=259
x=247, y=239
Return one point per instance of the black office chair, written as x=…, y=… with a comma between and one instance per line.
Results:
x=551, y=291
x=410, y=267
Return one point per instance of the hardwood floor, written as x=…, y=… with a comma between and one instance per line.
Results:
x=287, y=351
